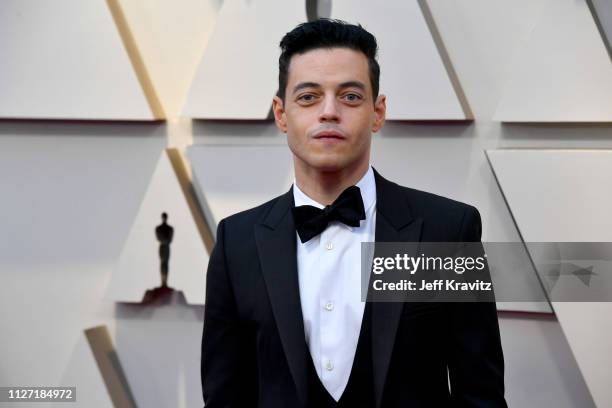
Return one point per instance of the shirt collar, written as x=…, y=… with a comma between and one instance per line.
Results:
x=367, y=187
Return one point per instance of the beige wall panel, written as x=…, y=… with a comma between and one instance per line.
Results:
x=83, y=373
x=558, y=196
x=159, y=349
x=225, y=190
x=70, y=192
x=171, y=37
x=238, y=74
x=540, y=370
x=65, y=59
x=138, y=268
x=562, y=73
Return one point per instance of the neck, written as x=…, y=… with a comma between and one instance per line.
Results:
x=325, y=186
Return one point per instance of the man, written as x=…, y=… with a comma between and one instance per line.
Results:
x=284, y=324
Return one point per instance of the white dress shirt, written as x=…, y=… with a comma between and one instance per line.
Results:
x=329, y=275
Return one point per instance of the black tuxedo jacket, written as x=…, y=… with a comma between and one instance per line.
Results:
x=254, y=352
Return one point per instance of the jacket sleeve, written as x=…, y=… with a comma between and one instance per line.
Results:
x=476, y=361
x=225, y=342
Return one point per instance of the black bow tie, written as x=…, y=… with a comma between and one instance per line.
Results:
x=311, y=221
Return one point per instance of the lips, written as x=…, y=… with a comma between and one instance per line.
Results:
x=329, y=135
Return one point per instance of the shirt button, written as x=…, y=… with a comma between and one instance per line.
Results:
x=329, y=306
x=329, y=365
x=329, y=246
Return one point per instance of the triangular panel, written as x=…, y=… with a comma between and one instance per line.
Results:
x=562, y=73
x=139, y=266
x=238, y=74
x=563, y=196
x=66, y=59
x=171, y=37
x=226, y=188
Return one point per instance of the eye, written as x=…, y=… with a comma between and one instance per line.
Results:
x=352, y=97
x=306, y=98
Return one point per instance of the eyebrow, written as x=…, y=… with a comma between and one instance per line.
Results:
x=347, y=84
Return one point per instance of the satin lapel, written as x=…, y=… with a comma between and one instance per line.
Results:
x=276, y=244
x=394, y=223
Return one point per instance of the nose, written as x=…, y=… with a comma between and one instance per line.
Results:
x=329, y=110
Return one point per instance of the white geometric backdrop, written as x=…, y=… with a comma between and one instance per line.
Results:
x=71, y=190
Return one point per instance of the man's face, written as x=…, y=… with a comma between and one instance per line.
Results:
x=329, y=113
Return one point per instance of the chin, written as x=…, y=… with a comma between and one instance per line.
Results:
x=328, y=164
x=326, y=161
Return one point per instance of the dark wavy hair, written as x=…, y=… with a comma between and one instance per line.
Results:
x=327, y=33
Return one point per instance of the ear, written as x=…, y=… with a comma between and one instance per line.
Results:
x=279, y=114
x=380, y=111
